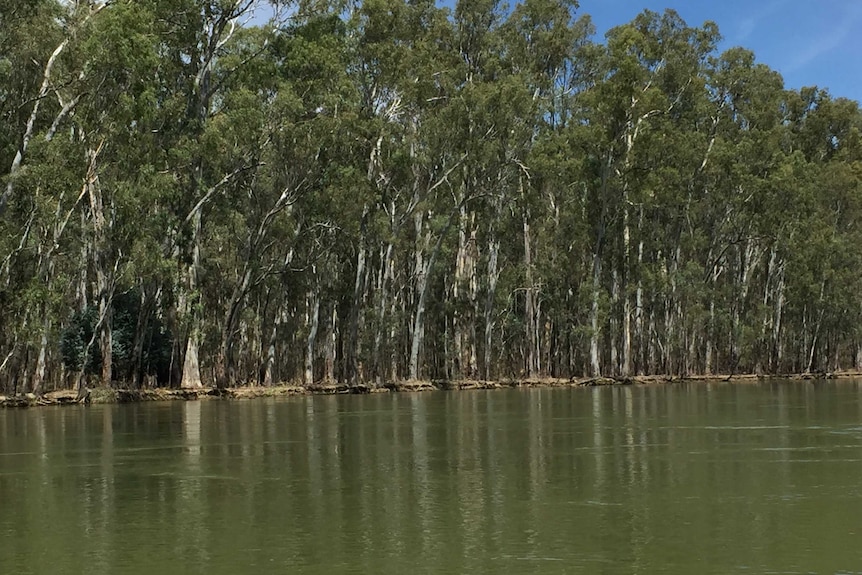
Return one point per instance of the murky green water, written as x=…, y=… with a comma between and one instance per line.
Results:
x=677, y=479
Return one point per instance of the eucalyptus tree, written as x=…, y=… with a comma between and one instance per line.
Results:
x=432, y=162
x=314, y=157
x=25, y=56
x=194, y=37
x=64, y=24
x=746, y=153
x=62, y=100
x=113, y=127
x=820, y=187
x=403, y=68
x=484, y=114
x=393, y=189
x=645, y=83
x=544, y=40
x=379, y=51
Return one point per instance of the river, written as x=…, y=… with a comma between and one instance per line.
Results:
x=689, y=478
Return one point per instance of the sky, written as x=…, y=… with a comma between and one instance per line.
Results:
x=810, y=42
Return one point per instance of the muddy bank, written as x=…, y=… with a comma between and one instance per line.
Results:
x=103, y=395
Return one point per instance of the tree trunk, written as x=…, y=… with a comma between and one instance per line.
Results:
x=269, y=365
x=418, y=332
x=669, y=270
x=224, y=360
x=626, y=351
x=31, y=123
x=191, y=378
x=191, y=374
x=472, y=358
x=423, y=270
x=639, y=311
x=330, y=346
x=465, y=291
x=708, y=345
x=595, y=359
x=106, y=340
x=614, y=322
x=313, y=307
x=530, y=319
x=104, y=275
x=465, y=297
x=136, y=367
x=351, y=348
x=385, y=277
x=816, y=335
x=493, y=278
x=777, y=343
x=39, y=373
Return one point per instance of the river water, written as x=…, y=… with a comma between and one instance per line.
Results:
x=694, y=478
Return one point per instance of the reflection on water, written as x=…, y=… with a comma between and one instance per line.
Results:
x=706, y=478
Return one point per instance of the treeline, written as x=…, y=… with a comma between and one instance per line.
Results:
x=395, y=190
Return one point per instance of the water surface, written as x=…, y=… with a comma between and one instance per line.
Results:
x=699, y=478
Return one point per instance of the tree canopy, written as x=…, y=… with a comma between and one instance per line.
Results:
x=368, y=192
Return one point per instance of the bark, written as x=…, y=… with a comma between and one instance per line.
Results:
x=626, y=355
x=530, y=315
x=385, y=309
x=493, y=274
x=778, y=311
x=472, y=358
x=423, y=270
x=269, y=364
x=191, y=371
x=810, y=362
x=749, y=259
x=634, y=125
x=81, y=378
x=330, y=345
x=595, y=358
x=39, y=373
x=99, y=248
x=654, y=343
x=224, y=361
x=145, y=309
x=313, y=307
x=352, y=343
x=708, y=345
x=691, y=354
x=640, y=337
x=44, y=89
x=459, y=317
x=31, y=123
x=191, y=375
x=670, y=315
x=614, y=324
x=218, y=28
x=106, y=339
x=595, y=367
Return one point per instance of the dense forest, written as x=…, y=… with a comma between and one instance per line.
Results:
x=395, y=190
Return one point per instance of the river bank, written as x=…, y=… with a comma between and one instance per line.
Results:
x=112, y=395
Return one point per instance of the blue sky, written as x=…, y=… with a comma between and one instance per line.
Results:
x=810, y=42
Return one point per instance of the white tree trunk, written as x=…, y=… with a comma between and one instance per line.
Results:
x=595, y=359
x=493, y=278
x=313, y=304
x=191, y=377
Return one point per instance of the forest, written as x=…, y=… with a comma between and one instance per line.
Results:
x=394, y=190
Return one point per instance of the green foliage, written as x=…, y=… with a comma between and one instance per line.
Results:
x=489, y=185
x=77, y=352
